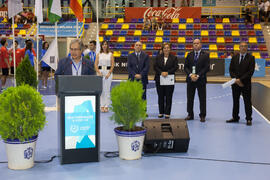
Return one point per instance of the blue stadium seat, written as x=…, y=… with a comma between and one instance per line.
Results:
x=136, y=38
x=155, y=53
x=174, y=47
x=166, y=39
x=140, y=20
x=145, y=33
x=111, y=26
x=242, y=27
x=123, y=33
x=119, y=46
x=181, y=47
x=227, y=33
x=212, y=27
x=211, y=20
x=149, y=46
x=181, y=54
x=260, y=40
x=189, y=27
x=240, y=20
x=205, y=47
x=124, y=53
x=197, y=33
x=259, y=33
x=236, y=40
x=107, y=38
x=167, y=33
x=182, y=20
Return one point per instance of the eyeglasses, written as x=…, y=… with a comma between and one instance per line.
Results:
x=75, y=49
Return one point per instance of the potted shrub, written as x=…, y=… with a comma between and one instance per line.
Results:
x=22, y=117
x=26, y=74
x=128, y=109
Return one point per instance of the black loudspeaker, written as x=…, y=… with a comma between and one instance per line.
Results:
x=166, y=135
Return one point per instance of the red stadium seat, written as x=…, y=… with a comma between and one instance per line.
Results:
x=197, y=27
x=228, y=40
x=144, y=39
x=174, y=39
x=205, y=40
x=130, y=33
x=174, y=33
x=114, y=39
x=220, y=33
x=139, y=26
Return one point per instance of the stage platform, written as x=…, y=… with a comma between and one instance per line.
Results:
x=217, y=150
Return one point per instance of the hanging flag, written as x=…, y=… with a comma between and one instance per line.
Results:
x=55, y=12
x=51, y=56
x=76, y=7
x=38, y=11
x=14, y=7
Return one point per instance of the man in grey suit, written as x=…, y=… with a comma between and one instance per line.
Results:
x=75, y=65
x=138, y=66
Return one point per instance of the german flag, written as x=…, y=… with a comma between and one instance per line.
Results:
x=76, y=7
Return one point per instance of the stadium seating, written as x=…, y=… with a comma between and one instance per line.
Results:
x=218, y=35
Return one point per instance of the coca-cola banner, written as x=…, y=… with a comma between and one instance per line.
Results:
x=167, y=12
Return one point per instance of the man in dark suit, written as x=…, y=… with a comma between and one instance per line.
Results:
x=138, y=66
x=242, y=68
x=197, y=64
x=75, y=64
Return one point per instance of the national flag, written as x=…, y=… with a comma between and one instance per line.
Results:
x=38, y=11
x=55, y=12
x=51, y=56
x=76, y=7
x=14, y=7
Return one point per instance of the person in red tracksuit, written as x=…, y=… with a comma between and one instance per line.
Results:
x=18, y=57
x=4, y=61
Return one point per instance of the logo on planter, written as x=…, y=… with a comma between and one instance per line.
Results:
x=28, y=153
x=135, y=146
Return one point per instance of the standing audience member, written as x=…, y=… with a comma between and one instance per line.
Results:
x=146, y=23
x=165, y=67
x=261, y=9
x=196, y=66
x=18, y=57
x=104, y=65
x=31, y=54
x=138, y=66
x=92, y=51
x=242, y=68
x=44, y=66
x=4, y=62
x=266, y=11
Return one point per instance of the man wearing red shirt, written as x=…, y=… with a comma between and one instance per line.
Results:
x=18, y=57
x=4, y=61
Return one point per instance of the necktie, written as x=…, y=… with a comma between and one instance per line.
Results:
x=138, y=57
x=242, y=57
x=196, y=57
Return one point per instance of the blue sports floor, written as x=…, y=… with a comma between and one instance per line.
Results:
x=217, y=151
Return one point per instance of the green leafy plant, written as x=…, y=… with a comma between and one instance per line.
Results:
x=127, y=104
x=26, y=74
x=22, y=113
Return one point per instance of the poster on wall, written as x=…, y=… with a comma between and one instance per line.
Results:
x=80, y=122
x=208, y=3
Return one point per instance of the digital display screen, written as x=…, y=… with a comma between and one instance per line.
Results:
x=80, y=122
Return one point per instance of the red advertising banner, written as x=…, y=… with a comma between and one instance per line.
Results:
x=167, y=12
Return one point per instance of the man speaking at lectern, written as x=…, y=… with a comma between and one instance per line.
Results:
x=75, y=65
